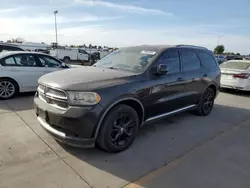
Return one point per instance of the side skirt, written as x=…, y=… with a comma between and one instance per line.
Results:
x=170, y=113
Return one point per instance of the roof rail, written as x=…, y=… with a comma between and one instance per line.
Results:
x=184, y=45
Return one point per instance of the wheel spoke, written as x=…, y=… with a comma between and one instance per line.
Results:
x=1, y=94
x=128, y=134
x=117, y=136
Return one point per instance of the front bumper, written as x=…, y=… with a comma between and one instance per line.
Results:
x=75, y=126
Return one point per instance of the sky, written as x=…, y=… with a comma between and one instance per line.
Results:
x=120, y=23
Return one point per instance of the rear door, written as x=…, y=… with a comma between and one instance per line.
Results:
x=193, y=75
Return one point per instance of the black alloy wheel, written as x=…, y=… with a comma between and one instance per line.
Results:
x=206, y=103
x=122, y=130
x=119, y=129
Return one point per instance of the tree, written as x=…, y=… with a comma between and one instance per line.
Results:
x=238, y=54
x=90, y=45
x=219, y=49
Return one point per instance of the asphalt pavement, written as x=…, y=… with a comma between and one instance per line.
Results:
x=181, y=151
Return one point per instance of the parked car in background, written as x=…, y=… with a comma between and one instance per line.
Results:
x=20, y=71
x=71, y=54
x=9, y=47
x=107, y=103
x=235, y=74
x=220, y=58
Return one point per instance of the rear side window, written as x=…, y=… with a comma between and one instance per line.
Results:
x=190, y=61
x=207, y=60
x=9, y=62
x=171, y=59
x=235, y=65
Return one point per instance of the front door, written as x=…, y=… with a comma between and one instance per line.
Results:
x=49, y=63
x=166, y=93
x=83, y=55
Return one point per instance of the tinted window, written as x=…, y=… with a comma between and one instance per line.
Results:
x=25, y=60
x=47, y=61
x=207, y=60
x=190, y=60
x=171, y=59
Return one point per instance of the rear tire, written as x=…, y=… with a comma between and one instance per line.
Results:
x=206, y=103
x=66, y=59
x=8, y=88
x=119, y=129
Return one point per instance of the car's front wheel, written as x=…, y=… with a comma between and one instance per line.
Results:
x=119, y=129
x=8, y=88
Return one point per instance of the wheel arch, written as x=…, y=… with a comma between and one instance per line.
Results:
x=130, y=101
x=18, y=85
x=213, y=87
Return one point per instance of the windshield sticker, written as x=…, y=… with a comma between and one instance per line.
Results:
x=148, y=52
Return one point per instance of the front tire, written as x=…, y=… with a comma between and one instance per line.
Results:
x=8, y=88
x=206, y=103
x=119, y=129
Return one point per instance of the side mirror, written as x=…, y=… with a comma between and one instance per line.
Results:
x=162, y=69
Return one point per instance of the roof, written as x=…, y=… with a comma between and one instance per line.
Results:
x=7, y=53
x=159, y=48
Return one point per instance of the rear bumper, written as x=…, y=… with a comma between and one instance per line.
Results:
x=235, y=87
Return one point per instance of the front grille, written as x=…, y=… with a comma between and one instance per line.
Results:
x=52, y=96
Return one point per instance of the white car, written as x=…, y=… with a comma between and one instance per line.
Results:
x=235, y=74
x=20, y=71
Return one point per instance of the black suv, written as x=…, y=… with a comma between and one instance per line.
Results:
x=108, y=103
x=9, y=47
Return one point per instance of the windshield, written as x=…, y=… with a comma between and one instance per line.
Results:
x=235, y=65
x=128, y=60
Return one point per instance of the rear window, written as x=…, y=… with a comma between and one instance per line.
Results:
x=235, y=65
x=207, y=60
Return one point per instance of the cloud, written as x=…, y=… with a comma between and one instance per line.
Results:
x=129, y=8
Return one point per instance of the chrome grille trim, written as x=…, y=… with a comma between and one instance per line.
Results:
x=54, y=97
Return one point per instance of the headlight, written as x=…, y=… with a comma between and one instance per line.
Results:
x=83, y=98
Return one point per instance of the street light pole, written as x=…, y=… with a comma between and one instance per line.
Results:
x=55, y=13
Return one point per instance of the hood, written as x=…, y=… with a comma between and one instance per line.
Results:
x=85, y=78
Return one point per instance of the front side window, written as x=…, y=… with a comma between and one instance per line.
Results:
x=133, y=60
x=171, y=59
x=207, y=60
x=82, y=51
x=190, y=60
x=47, y=61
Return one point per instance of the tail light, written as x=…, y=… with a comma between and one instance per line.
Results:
x=241, y=76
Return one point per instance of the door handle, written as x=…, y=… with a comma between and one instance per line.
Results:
x=204, y=75
x=179, y=79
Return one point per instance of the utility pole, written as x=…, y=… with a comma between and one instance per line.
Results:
x=55, y=13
